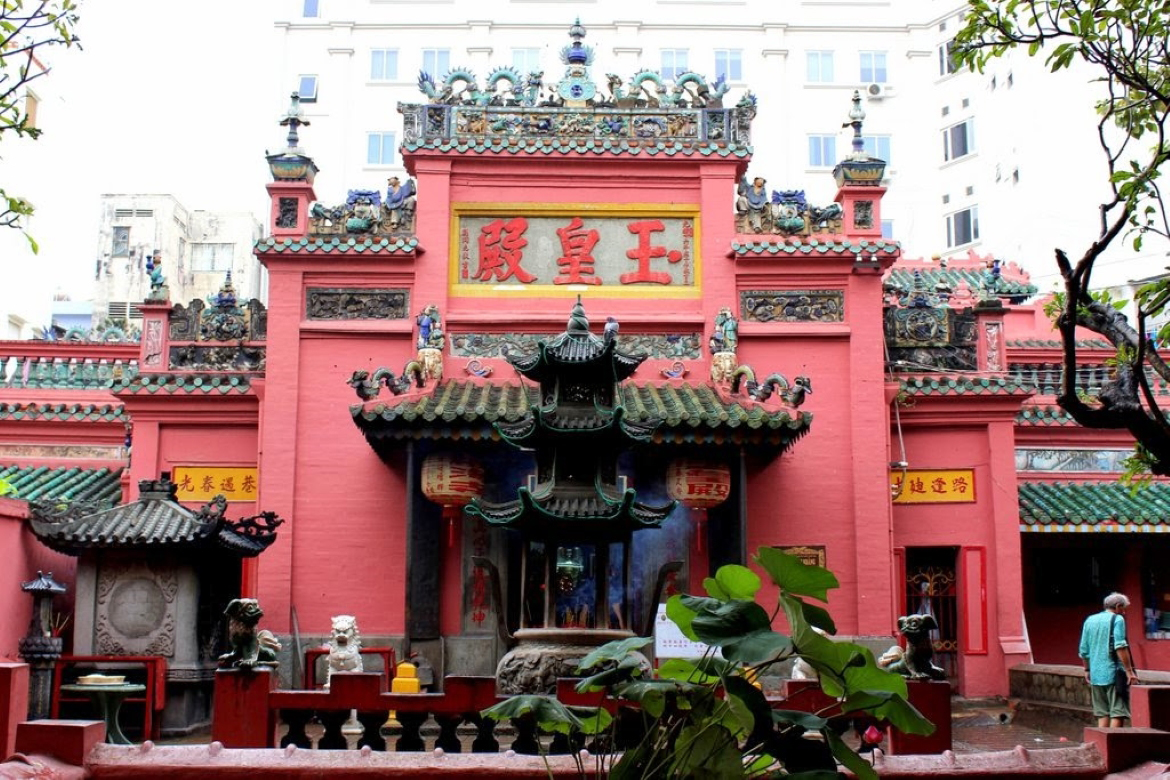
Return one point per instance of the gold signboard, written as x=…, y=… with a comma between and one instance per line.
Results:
x=809, y=555
x=922, y=486
x=612, y=250
x=203, y=483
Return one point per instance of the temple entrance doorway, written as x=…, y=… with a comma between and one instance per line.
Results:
x=931, y=587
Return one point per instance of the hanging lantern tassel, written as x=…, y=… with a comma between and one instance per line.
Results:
x=451, y=512
x=700, y=528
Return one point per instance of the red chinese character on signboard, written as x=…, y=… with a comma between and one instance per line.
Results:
x=645, y=253
x=959, y=484
x=228, y=485
x=501, y=248
x=916, y=486
x=208, y=484
x=577, y=261
x=938, y=485
x=186, y=485
x=249, y=484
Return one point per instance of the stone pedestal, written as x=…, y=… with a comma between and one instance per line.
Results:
x=40, y=652
x=543, y=655
x=242, y=718
x=932, y=699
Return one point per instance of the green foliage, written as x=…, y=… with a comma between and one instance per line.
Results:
x=705, y=717
x=1139, y=469
x=27, y=27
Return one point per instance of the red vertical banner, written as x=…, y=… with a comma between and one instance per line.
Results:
x=973, y=600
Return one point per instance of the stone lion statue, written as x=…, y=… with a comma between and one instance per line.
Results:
x=916, y=661
x=345, y=646
x=251, y=648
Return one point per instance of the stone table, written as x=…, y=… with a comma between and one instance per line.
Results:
x=108, y=699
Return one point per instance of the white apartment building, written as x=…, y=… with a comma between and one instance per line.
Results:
x=1005, y=163
x=198, y=248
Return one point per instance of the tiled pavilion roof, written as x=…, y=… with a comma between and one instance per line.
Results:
x=156, y=521
x=695, y=413
x=1094, y=507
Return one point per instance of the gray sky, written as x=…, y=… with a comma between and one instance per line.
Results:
x=164, y=97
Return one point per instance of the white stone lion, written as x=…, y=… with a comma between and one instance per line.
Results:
x=345, y=646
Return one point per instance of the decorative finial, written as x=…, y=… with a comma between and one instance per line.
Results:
x=856, y=117
x=577, y=53
x=294, y=119
x=578, y=322
x=226, y=297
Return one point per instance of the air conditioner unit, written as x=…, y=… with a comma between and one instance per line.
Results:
x=878, y=91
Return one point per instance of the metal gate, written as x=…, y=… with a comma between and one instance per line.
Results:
x=931, y=588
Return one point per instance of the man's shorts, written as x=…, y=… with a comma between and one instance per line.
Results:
x=1106, y=702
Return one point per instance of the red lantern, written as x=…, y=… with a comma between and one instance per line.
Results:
x=451, y=481
x=700, y=485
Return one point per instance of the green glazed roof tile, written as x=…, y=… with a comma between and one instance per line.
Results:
x=805, y=245
x=64, y=484
x=689, y=412
x=973, y=277
x=62, y=412
x=1094, y=506
x=964, y=385
x=205, y=383
x=397, y=245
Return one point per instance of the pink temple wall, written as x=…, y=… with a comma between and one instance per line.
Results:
x=24, y=556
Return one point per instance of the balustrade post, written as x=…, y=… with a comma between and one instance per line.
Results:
x=242, y=718
x=411, y=739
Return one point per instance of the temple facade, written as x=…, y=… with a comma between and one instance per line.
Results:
x=460, y=383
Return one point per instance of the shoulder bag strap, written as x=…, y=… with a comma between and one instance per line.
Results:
x=1112, y=646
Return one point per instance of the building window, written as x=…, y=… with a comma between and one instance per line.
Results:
x=674, y=63
x=526, y=61
x=729, y=64
x=384, y=64
x=819, y=66
x=211, y=257
x=308, y=88
x=822, y=150
x=380, y=148
x=436, y=62
x=877, y=146
x=946, y=58
x=312, y=9
x=121, y=310
x=121, y=246
x=963, y=227
x=873, y=67
x=959, y=140
x=887, y=228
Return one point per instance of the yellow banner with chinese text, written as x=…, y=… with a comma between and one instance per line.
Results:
x=922, y=486
x=203, y=483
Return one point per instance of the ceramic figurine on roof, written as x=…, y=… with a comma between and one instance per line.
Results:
x=650, y=112
x=430, y=343
x=365, y=213
x=158, y=284
x=724, y=340
x=751, y=204
x=398, y=208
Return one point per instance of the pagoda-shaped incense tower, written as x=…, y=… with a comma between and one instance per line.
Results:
x=576, y=518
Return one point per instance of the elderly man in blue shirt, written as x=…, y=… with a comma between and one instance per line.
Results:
x=1104, y=652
